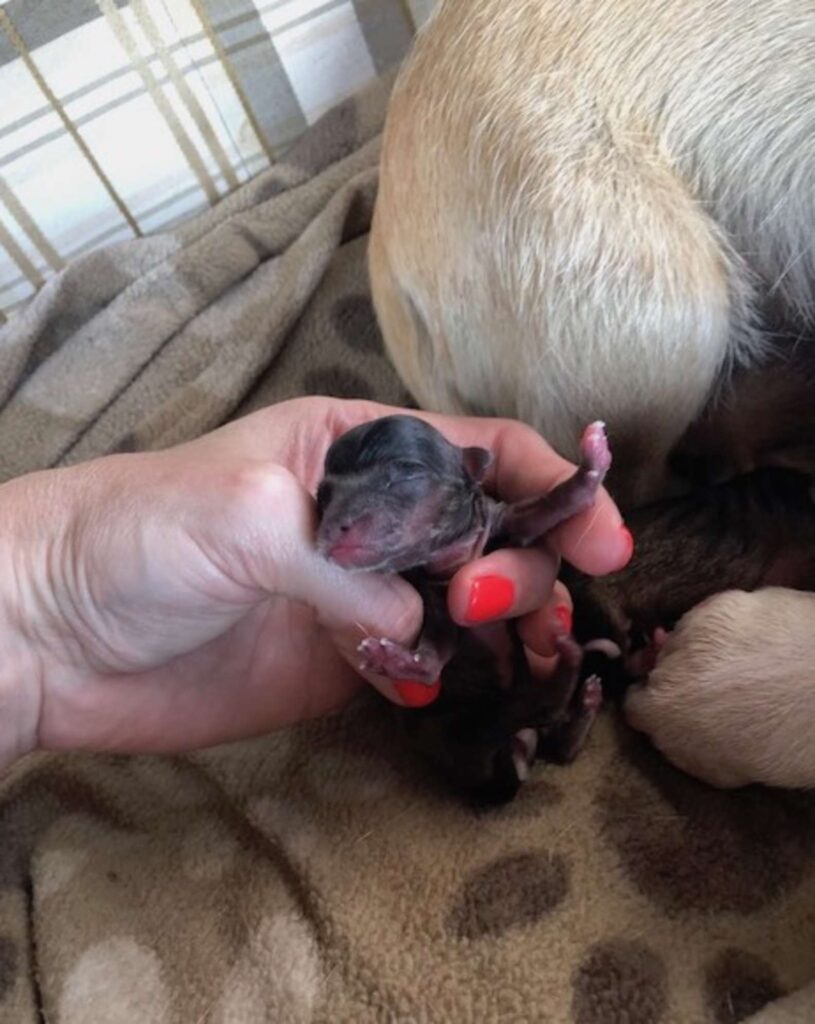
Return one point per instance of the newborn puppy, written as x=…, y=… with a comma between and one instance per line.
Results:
x=732, y=697
x=398, y=497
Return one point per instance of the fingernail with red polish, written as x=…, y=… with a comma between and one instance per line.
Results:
x=490, y=598
x=418, y=695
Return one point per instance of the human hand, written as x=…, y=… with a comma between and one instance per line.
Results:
x=171, y=600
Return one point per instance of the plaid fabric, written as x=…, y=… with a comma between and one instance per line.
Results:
x=119, y=119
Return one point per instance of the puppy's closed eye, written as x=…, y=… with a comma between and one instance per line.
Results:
x=404, y=472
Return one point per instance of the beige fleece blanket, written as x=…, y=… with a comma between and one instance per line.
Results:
x=319, y=875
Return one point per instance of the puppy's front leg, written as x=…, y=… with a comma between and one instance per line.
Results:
x=732, y=697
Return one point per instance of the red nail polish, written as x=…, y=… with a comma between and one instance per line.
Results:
x=563, y=614
x=418, y=695
x=490, y=598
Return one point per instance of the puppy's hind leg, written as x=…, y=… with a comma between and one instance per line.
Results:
x=562, y=744
x=571, y=707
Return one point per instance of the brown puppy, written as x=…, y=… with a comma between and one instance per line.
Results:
x=587, y=209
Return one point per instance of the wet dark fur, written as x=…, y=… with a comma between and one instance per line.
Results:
x=467, y=733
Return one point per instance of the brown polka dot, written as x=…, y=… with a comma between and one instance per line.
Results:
x=102, y=279
x=512, y=892
x=738, y=984
x=33, y=805
x=619, y=982
x=690, y=847
x=331, y=138
x=336, y=382
x=355, y=321
x=8, y=965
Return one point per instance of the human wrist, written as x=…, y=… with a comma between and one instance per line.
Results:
x=20, y=699
x=21, y=675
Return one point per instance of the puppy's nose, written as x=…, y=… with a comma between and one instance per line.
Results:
x=349, y=544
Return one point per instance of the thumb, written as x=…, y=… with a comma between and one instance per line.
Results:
x=356, y=605
x=350, y=605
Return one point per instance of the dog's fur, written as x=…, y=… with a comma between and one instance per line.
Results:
x=603, y=209
x=732, y=699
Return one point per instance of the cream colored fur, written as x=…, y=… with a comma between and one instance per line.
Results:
x=732, y=699
x=582, y=202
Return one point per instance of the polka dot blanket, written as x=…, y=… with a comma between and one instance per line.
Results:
x=320, y=874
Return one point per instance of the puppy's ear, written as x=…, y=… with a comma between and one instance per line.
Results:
x=476, y=461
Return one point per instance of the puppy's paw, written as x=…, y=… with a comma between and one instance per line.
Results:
x=641, y=662
x=563, y=741
x=731, y=699
x=595, y=454
x=524, y=748
x=387, y=658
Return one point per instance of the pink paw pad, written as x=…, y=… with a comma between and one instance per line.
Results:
x=594, y=450
x=387, y=658
x=592, y=696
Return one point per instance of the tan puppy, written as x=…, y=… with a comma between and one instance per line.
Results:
x=732, y=699
x=585, y=209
